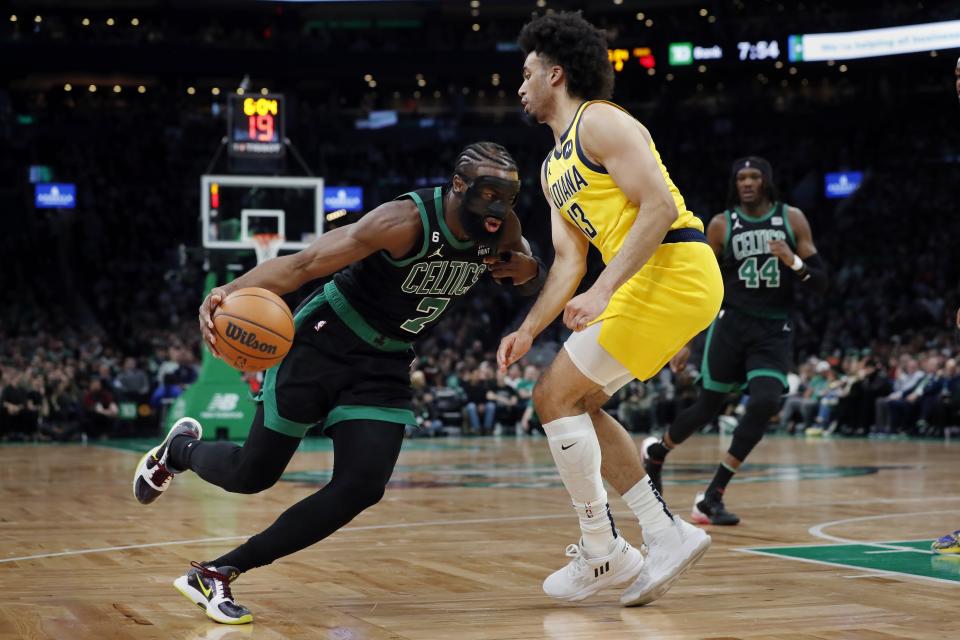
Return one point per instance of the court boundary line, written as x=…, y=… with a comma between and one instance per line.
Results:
x=817, y=531
x=437, y=523
x=372, y=527
x=884, y=572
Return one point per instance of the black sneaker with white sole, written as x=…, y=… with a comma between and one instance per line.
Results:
x=154, y=473
x=709, y=509
x=208, y=587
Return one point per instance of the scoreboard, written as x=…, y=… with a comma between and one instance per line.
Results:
x=255, y=126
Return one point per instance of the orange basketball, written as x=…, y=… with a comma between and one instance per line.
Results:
x=254, y=329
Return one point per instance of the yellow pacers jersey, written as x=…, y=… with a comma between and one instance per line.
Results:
x=674, y=296
x=589, y=198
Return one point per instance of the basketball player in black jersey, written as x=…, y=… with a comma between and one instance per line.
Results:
x=765, y=249
x=398, y=270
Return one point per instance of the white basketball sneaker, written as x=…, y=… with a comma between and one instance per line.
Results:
x=584, y=576
x=669, y=554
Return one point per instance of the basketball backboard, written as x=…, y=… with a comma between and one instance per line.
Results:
x=235, y=208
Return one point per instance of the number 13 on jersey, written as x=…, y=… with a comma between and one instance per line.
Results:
x=579, y=218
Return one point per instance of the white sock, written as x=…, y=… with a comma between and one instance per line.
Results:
x=576, y=451
x=649, y=507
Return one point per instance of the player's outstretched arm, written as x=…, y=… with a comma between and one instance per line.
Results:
x=393, y=226
x=617, y=141
x=566, y=272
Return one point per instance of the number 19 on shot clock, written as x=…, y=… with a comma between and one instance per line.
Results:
x=256, y=126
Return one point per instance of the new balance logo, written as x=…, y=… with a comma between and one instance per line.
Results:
x=602, y=569
x=436, y=254
x=223, y=402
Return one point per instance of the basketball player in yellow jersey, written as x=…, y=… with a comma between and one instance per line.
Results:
x=606, y=185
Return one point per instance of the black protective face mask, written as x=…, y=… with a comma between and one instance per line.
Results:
x=475, y=207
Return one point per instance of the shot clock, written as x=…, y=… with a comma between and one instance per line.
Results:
x=255, y=126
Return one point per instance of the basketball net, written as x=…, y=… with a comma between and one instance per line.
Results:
x=267, y=246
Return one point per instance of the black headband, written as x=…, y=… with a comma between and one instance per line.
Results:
x=754, y=162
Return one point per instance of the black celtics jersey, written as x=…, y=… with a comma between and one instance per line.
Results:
x=754, y=280
x=404, y=298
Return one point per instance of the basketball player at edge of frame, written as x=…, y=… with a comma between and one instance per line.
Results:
x=397, y=270
x=606, y=185
x=950, y=542
x=765, y=248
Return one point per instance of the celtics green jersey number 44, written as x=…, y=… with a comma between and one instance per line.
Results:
x=754, y=279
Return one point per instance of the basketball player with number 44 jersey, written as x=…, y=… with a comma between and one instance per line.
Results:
x=606, y=186
x=765, y=249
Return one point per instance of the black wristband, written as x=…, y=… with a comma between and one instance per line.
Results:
x=534, y=284
x=813, y=274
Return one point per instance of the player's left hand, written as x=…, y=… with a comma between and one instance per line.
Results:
x=215, y=297
x=584, y=308
x=519, y=267
x=513, y=347
x=783, y=251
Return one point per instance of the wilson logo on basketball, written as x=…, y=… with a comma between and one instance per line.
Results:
x=249, y=339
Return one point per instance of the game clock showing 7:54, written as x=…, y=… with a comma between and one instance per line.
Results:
x=255, y=126
x=759, y=50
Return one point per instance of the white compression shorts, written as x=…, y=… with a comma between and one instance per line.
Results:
x=594, y=361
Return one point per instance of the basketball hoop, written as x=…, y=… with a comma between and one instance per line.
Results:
x=267, y=246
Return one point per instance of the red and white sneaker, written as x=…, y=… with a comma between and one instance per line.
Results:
x=154, y=474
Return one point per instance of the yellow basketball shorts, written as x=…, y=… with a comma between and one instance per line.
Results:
x=675, y=296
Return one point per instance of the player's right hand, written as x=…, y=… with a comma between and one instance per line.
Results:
x=513, y=347
x=210, y=303
x=679, y=362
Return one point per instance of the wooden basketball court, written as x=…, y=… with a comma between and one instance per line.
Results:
x=834, y=543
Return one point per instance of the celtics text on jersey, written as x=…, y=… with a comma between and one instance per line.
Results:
x=754, y=279
x=404, y=298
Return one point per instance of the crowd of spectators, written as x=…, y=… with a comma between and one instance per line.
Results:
x=69, y=384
